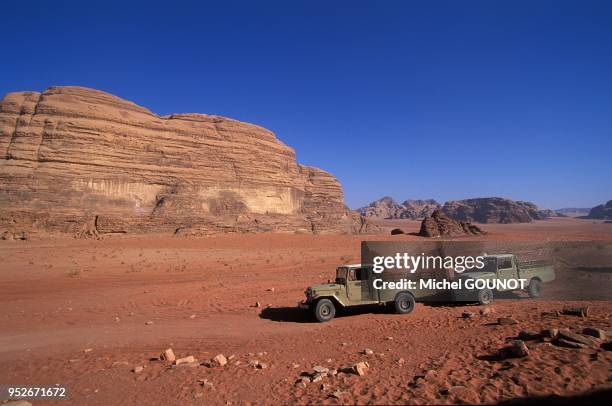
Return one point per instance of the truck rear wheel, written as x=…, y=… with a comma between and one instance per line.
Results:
x=324, y=310
x=534, y=288
x=404, y=303
x=485, y=296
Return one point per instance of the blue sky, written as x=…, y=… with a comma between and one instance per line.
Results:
x=442, y=99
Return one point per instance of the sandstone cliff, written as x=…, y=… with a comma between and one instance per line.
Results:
x=84, y=161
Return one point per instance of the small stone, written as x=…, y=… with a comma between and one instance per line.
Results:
x=257, y=304
x=562, y=342
x=205, y=383
x=506, y=321
x=294, y=365
x=117, y=319
x=578, y=338
x=360, y=368
x=320, y=370
x=88, y=350
x=594, y=332
x=527, y=335
x=486, y=311
x=401, y=361
x=550, y=333
x=517, y=349
x=390, y=338
x=185, y=360
x=138, y=369
x=337, y=394
x=149, y=323
x=332, y=372
x=367, y=351
x=168, y=355
x=316, y=378
x=220, y=360
x=467, y=315
x=431, y=375
x=323, y=386
x=270, y=290
x=193, y=316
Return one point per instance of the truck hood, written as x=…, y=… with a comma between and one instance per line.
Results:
x=477, y=275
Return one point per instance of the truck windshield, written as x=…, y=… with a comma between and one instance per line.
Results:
x=341, y=275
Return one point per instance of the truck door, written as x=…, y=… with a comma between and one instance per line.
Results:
x=358, y=287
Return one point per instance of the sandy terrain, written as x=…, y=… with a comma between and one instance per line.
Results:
x=62, y=296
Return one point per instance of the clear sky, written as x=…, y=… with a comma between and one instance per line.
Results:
x=441, y=99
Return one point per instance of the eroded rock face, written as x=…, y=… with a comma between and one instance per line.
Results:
x=74, y=156
x=388, y=208
x=440, y=225
x=491, y=210
x=603, y=211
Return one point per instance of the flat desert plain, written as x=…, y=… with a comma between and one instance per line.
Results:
x=86, y=313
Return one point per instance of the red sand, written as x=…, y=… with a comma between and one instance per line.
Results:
x=62, y=296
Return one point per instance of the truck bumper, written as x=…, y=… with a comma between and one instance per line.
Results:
x=303, y=305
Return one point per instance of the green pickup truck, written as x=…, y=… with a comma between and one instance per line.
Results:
x=354, y=286
x=498, y=275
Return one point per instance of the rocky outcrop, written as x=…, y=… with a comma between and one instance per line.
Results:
x=548, y=213
x=440, y=225
x=387, y=208
x=84, y=161
x=602, y=212
x=491, y=210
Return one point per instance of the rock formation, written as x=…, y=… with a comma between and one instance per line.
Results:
x=440, y=225
x=548, y=213
x=84, y=161
x=491, y=210
x=603, y=211
x=387, y=208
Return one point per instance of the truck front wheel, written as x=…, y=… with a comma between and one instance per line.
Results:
x=534, y=288
x=485, y=296
x=324, y=310
x=404, y=303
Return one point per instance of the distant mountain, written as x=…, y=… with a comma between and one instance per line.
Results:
x=387, y=208
x=492, y=210
x=603, y=211
x=546, y=213
x=574, y=211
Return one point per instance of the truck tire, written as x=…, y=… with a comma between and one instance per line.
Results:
x=485, y=296
x=324, y=310
x=404, y=303
x=534, y=288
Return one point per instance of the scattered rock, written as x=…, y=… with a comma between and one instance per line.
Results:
x=360, y=368
x=506, y=321
x=528, y=335
x=149, y=323
x=270, y=290
x=562, y=342
x=401, y=361
x=397, y=231
x=88, y=350
x=320, y=370
x=168, y=355
x=367, y=351
x=578, y=338
x=594, y=332
x=193, y=316
x=138, y=369
x=337, y=394
x=220, y=360
x=185, y=360
x=486, y=311
x=205, y=383
x=517, y=349
x=317, y=378
x=576, y=311
x=550, y=333
x=257, y=304
x=258, y=365
x=467, y=314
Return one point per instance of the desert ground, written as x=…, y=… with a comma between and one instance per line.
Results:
x=85, y=313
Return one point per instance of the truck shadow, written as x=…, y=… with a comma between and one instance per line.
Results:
x=295, y=315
